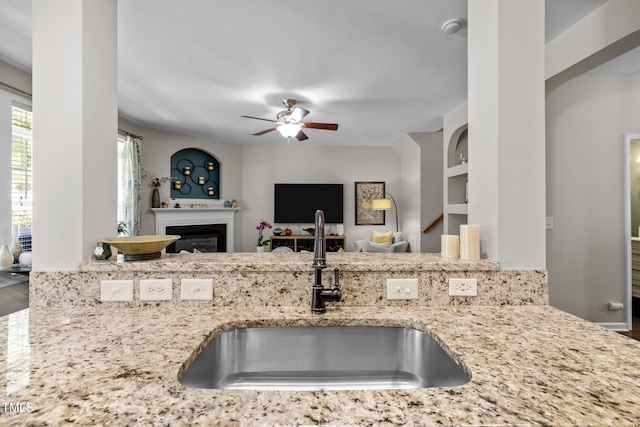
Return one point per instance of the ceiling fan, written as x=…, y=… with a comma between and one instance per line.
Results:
x=290, y=122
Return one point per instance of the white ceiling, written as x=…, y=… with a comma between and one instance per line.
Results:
x=379, y=68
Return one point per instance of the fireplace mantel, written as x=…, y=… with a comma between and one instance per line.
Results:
x=171, y=217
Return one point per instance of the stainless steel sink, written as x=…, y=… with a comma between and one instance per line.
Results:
x=323, y=358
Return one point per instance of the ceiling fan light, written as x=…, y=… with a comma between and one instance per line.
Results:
x=289, y=130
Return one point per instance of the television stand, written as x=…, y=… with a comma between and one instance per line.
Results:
x=305, y=243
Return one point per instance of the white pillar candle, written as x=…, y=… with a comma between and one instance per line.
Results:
x=449, y=246
x=469, y=242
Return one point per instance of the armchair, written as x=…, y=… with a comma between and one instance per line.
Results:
x=398, y=243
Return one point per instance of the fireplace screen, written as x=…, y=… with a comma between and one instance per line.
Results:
x=203, y=238
x=201, y=244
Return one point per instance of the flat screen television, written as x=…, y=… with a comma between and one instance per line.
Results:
x=297, y=203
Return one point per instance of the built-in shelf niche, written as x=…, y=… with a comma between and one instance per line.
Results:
x=456, y=170
x=195, y=175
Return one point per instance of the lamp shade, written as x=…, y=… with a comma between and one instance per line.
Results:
x=289, y=130
x=381, y=204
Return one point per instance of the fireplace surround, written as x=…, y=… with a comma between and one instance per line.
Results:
x=183, y=217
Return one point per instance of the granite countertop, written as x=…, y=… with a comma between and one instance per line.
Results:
x=119, y=366
x=298, y=261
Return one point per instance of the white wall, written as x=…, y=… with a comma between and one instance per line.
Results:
x=75, y=114
x=262, y=166
x=586, y=120
x=506, y=130
x=610, y=30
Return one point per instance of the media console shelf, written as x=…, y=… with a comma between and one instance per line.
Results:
x=305, y=243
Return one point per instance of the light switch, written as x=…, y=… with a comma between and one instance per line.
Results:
x=196, y=289
x=402, y=289
x=116, y=290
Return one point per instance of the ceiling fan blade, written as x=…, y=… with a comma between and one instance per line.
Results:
x=258, y=118
x=325, y=126
x=298, y=114
x=265, y=131
x=301, y=136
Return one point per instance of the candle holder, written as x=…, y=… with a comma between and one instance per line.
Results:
x=469, y=242
x=198, y=173
x=449, y=246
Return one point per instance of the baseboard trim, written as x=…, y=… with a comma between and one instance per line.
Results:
x=614, y=326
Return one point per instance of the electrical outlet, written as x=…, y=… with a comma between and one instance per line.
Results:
x=156, y=289
x=402, y=289
x=549, y=223
x=463, y=287
x=116, y=290
x=196, y=289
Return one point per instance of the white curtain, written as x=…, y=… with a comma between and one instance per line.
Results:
x=129, y=171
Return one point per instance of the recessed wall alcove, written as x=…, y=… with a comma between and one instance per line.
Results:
x=196, y=175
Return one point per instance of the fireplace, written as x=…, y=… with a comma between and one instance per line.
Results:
x=203, y=238
x=219, y=220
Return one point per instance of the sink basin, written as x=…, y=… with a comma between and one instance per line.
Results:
x=323, y=358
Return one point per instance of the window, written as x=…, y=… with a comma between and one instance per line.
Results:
x=21, y=172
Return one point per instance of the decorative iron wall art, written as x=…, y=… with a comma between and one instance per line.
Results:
x=196, y=175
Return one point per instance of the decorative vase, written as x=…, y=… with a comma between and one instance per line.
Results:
x=155, y=198
x=259, y=248
x=25, y=259
x=6, y=257
x=16, y=248
x=102, y=251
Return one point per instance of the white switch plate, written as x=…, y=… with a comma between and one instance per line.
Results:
x=463, y=287
x=116, y=290
x=196, y=289
x=402, y=289
x=549, y=223
x=156, y=289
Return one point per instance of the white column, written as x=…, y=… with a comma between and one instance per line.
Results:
x=507, y=130
x=75, y=107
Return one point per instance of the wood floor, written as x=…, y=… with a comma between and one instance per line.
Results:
x=635, y=329
x=14, y=293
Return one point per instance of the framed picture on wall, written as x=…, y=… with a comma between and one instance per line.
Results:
x=365, y=193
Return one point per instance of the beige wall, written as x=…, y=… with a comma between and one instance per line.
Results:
x=586, y=120
x=265, y=165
